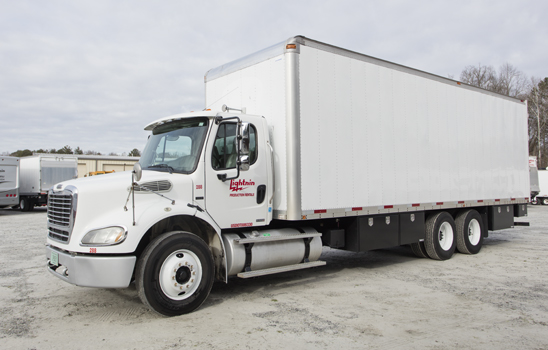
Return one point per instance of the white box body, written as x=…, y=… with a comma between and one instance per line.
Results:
x=39, y=173
x=9, y=181
x=373, y=135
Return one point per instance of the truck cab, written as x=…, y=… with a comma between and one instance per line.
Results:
x=200, y=174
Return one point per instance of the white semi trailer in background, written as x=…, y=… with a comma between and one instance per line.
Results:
x=39, y=173
x=9, y=181
x=318, y=146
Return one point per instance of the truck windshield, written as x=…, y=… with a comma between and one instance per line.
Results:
x=175, y=146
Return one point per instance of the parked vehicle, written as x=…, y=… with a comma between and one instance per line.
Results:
x=542, y=197
x=533, y=180
x=39, y=173
x=9, y=181
x=327, y=147
x=94, y=173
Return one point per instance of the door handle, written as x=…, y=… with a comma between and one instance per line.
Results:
x=261, y=193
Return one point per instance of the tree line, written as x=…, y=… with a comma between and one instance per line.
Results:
x=509, y=80
x=68, y=150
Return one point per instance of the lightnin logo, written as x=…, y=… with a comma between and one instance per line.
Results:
x=238, y=185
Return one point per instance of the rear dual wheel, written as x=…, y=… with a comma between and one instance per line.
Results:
x=469, y=232
x=440, y=240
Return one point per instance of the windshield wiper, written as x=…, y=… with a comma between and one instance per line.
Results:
x=168, y=167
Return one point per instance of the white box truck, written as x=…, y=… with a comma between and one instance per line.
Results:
x=542, y=196
x=9, y=181
x=319, y=146
x=38, y=173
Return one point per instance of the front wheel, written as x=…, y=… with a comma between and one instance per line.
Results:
x=174, y=275
x=544, y=201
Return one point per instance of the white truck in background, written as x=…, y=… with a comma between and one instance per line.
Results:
x=542, y=196
x=327, y=147
x=38, y=173
x=534, y=179
x=9, y=181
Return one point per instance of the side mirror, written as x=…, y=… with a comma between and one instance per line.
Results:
x=244, y=139
x=244, y=162
x=138, y=171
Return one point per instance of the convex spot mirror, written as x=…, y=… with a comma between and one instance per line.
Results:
x=138, y=171
x=244, y=139
x=244, y=162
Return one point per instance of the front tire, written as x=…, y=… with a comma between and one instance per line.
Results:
x=440, y=236
x=174, y=275
x=469, y=232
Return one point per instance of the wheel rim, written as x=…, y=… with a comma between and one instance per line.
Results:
x=445, y=236
x=474, y=232
x=180, y=274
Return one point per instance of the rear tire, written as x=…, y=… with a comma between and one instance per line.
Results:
x=419, y=249
x=544, y=201
x=174, y=275
x=469, y=232
x=24, y=204
x=440, y=240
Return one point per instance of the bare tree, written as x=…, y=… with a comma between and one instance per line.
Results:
x=480, y=76
x=538, y=120
x=510, y=81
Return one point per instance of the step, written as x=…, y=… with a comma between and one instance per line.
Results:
x=262, y=239
x=274, y=270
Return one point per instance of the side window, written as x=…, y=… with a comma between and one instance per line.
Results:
x=225, y=151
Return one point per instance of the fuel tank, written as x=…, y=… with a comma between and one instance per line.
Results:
x=266, y=255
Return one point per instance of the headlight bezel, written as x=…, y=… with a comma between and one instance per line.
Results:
x=109, y=238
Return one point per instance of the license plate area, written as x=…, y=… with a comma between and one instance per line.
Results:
x=54, y=258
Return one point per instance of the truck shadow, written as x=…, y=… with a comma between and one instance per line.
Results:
x=337, y=262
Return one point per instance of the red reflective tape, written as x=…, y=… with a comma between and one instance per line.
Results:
x=248, y=224
x=461, y=202
x=321, y=211
x=357, y=208
x=480, y=201
x=415, y=205
x=439, y=203
x=497, y=200
x=388, y=206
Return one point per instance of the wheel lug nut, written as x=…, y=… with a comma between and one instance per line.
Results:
x=192, y=280
x=187, y=285
x=175, y=284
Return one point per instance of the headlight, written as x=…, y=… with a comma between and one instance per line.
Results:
x=105, y=236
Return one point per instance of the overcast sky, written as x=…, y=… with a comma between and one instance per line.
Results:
x=93, y=73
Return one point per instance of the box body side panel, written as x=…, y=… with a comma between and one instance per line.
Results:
x=375, y=136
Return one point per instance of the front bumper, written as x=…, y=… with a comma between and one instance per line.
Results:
x=91, y=271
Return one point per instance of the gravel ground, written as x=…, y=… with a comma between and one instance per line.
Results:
x=497, y=299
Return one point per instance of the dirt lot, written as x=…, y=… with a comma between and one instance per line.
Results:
x=497, y=299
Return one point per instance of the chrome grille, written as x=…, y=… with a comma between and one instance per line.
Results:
x=61, y=212
x=156, y=186
x=59, y=207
